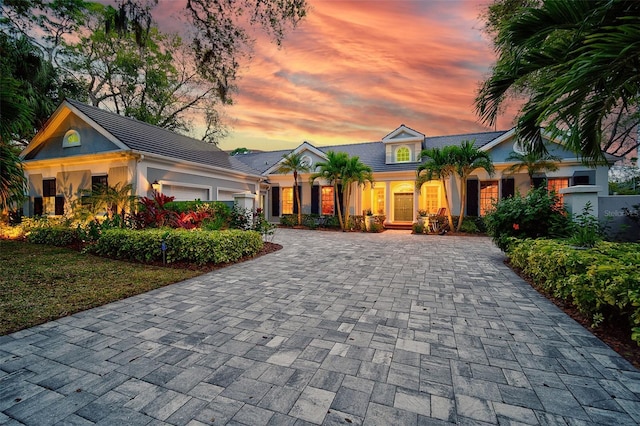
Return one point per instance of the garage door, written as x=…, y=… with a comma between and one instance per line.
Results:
x=185, y=193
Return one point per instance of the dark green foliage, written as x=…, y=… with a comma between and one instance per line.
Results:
x=60, y=236
x=534, y=215
x=200, y=247
x=586, y=230
x=603, y=282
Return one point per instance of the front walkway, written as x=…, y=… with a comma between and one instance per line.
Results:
x=336, y=328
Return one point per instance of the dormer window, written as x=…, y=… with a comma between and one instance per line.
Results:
x=403, y=155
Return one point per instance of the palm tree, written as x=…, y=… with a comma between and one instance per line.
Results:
x=577, y=61
x=331, y=171
x=342, y=169
x=534, y=162
x=293, y=162
x=354, y=172
x=469, y=158
x=440, y=164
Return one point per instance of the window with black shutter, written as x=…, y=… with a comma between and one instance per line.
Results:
x=315, y=199
x=508, y=188
x=98, y=182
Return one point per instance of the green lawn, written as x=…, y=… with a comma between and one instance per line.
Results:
x=40, y=283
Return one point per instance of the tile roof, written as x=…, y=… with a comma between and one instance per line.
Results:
x=372, y=153
x=150, y=139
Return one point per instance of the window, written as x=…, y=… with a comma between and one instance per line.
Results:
x=555, y=185
x=403, y=154
x=48, y=196
x=488, y=195
x=98, y=182
x=431, y=198
x=287, y=200
x=71, y=138
x=378, y=200
x=327, y=200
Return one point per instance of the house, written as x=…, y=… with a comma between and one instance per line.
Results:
x=81, y=146
x=394, y=160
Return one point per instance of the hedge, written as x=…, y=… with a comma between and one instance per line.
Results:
x=60, y=236
x=197, y=246
x=602, y=281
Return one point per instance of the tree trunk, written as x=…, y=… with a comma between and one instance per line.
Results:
x=446, y=200
x=463, y=202
x=337, y=198
x=297, y=195
x=346, y=197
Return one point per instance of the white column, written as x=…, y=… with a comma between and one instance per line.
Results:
x=387, y=201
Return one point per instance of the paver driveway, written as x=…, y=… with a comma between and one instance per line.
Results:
x=374, y=329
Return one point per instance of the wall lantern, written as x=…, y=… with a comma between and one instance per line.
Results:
x=156, y=186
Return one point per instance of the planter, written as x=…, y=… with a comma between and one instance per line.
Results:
x=368, y=220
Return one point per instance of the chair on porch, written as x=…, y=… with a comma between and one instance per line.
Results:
x=437, y=221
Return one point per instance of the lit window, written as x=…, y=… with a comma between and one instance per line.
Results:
x=378, y=200
x=431, y=198
x=402, y=154
x=48, y=196
x=556, y=185
x=287, y=200
x=488, y=195
x=327, y=200
x=71, y=138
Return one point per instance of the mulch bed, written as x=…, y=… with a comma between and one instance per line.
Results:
x=616, y=333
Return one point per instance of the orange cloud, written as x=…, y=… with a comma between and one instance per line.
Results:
x=354, y=70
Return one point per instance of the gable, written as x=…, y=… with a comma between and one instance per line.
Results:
x=51, y=142
x=500, y=151
x=310, y=153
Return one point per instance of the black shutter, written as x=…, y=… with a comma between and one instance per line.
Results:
x=473, y=197
x=37, y=206
x=508, y=188
x=540, y=182
x=59, y=206
x=315, y=199
x=275, y=201
x=339, y=200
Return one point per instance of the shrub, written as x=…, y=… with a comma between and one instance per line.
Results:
x=469, y=226
x=586, y=230
x=60, y=236
x=419, y=228
x=602, y=281
x=288, y=220
x=537, y=214
x=198, y=246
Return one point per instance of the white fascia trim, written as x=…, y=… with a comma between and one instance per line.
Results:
x=497, y=141
x=417, y=136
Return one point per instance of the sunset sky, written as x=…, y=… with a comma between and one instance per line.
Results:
x=353, y=71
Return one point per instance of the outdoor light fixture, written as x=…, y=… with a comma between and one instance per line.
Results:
x=156, y=186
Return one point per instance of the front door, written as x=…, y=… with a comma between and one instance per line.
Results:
x=403, y=207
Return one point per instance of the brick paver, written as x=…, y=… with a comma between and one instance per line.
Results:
x=336, y=328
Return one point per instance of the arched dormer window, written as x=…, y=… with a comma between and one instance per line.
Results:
x=403, y=155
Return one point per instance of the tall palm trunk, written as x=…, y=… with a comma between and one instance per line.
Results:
x=336, y=195
x=297, y=195
x=446, y=201
x=463, y=203
x=346, y=194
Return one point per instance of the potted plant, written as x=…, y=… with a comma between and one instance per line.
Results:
x=422, y=217
x=369, y=219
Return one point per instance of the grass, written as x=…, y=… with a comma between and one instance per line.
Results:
x=41, y=283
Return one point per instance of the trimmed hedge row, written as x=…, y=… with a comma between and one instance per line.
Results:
x=60, y=236
x=198, y=246
x=601, y=282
